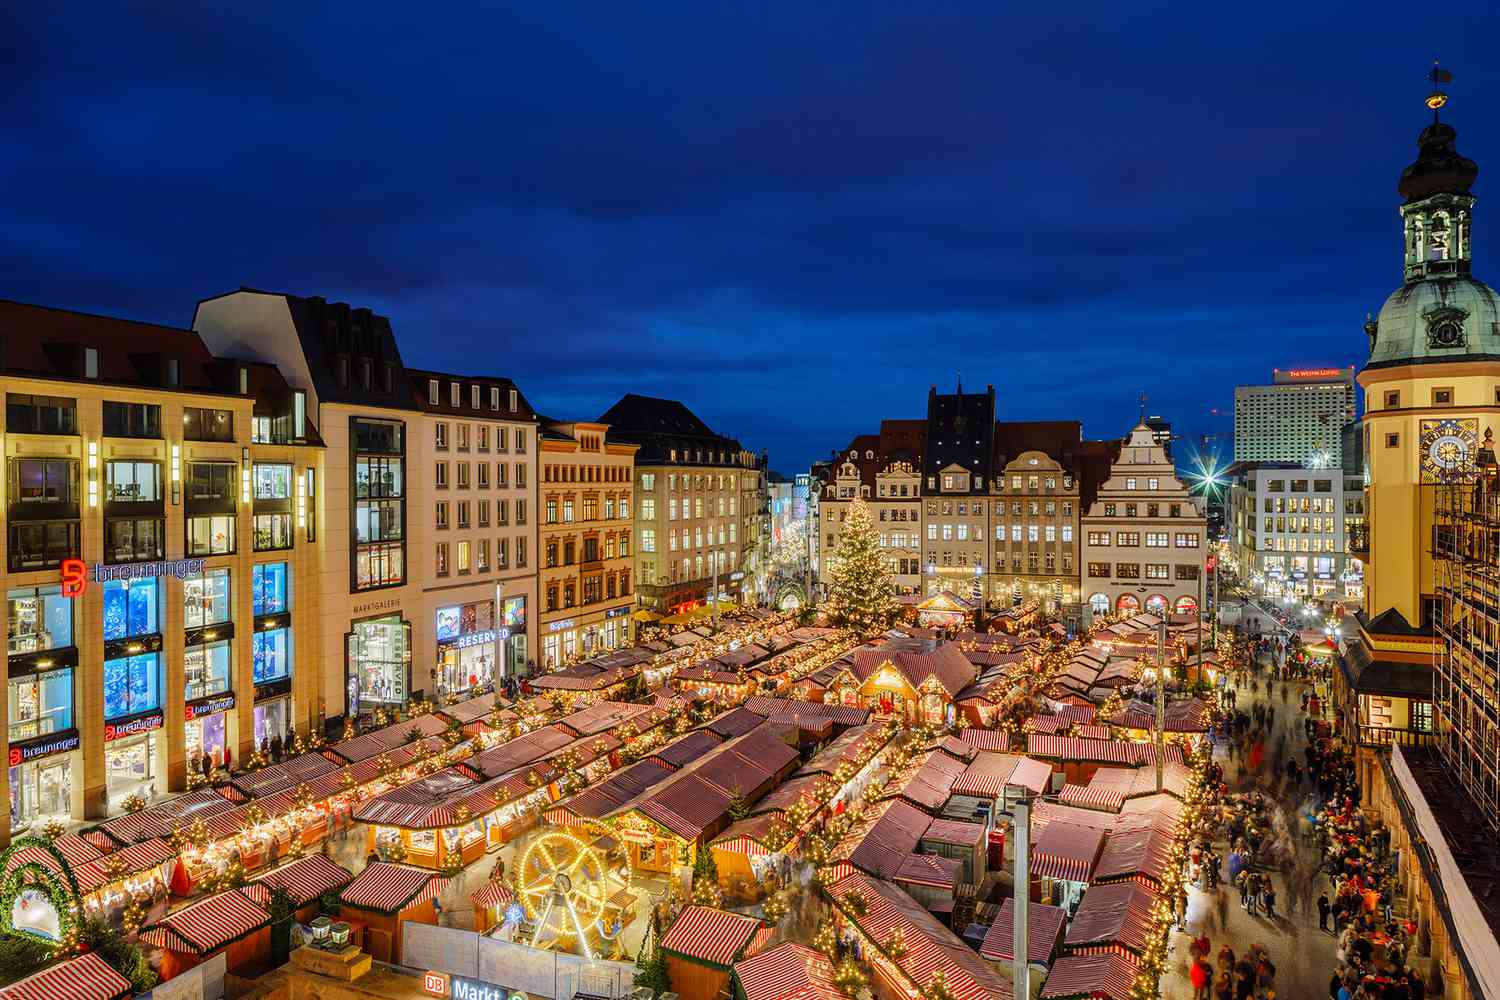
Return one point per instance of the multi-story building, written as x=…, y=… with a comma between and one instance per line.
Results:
x=1144, y=538
x=701, y=505
x=1290, y=525
x=1425, y=739
x=1015, y=539
x=1297, y=418
x=388, y=588
x=586, y=541
x=883, y=469
x=479, y=584
x=161, y=558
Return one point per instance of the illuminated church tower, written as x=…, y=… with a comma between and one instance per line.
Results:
x=1432, y=381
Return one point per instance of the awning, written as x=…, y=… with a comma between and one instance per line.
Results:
x=87, y=977
x=493, y=894
x=710, y=936
x=1110, y=977
x=306, y=878
x=389, y=888
x=207, y=925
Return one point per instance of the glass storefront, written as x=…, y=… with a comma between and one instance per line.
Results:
x=40, y=789
x=513, y=625
x=38, y=619
x=271, y=655
x=131, y=608
x=132, y=684
x=205, y=599
x=268, y=589
x=205, y=735
x=466, y=639
x=41, y=704
x=130, y=769
x=271, y=719
x=206, y=669
x=378, y=660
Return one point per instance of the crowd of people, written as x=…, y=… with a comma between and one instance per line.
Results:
x=1275, y=797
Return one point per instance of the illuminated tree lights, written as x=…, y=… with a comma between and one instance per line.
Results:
x=861, y=594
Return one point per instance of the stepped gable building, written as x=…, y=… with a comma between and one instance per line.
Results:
x=701, y=505
x=884, y=469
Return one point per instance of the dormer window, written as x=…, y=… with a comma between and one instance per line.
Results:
x=494, y=397
x=367, y=373
x=513, y=406
x=173, y=372
x=91, y=363
x=244, y=381
x=434, y=394
x=455, y=394
x=474, y=397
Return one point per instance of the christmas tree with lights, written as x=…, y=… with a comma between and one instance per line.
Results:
x=861, y=596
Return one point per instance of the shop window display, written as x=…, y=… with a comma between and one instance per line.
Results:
x=132, y=684
x=38, y=789
x=38, y=618
x=268, y=588
x=378, y=655
x=131, y=608
x=205, y=599
x=206, y=670
x=41, y=704
x=466, y=639
x=271, y=720
x=271, y=655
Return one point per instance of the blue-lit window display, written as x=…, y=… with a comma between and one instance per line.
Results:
x=268, y=588
x=132, y=684
x=131, y=608
x=271, y=652
x=38, y=618
x=205, y=669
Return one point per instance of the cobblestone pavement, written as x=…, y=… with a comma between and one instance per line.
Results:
x=1304, y=956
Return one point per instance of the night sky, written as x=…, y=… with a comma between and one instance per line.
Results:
x=793, y=216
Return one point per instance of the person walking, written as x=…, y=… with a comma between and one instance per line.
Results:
x=1323, y=909
x=1269, y=898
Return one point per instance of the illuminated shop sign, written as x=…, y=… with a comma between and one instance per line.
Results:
x=566, y=623
x=99, y=572
x=1314, y=373
x=474, y=639
x=617, y=612
x=208, y=706
x=442, y=984
x=133, y=727
x=43, y=746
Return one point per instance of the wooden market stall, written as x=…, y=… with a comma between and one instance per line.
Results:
x=86, y=977
x=946, y=610
x=490, y=903
x=385, y=896
x=228, y=922
x=701, y=948
x=1044, y=935
x=1091, y=977
x=305, y=880
x=787, y=970
x=1113, y=919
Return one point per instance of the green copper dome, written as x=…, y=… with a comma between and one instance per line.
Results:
x=1442, y=312
x=1436, y=319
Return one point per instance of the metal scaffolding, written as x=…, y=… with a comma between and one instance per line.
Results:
x=1466, y=570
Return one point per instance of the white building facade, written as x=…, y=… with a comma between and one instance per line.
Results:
x=1297, y=418
x=1289, y=528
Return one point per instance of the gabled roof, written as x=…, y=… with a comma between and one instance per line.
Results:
x=917, y=660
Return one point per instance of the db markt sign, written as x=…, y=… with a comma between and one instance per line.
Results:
x=441, y=984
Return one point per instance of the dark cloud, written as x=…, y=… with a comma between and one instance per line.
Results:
x=792, y=216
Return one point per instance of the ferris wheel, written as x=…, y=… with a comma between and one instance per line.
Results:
x=564, y=888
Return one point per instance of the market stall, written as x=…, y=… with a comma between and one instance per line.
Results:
x=386, y=896
x=227, y=922
x=86, y=977
x=702, y=946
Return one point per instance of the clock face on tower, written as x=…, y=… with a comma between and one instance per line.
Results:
x=1447, y=448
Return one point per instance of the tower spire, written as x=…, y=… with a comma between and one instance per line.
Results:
x=1143, y=408
x=1437, y=98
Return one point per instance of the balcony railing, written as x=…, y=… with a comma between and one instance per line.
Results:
x=1358, y=539
x=1384, y=736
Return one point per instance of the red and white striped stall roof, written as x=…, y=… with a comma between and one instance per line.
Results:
x=1067, y=851
x=707, y=935
x=987, y=776
x=787, y=972
x=208, y=924
x=1076, y=714
x=991, y=740
x=493, y=894
x=1034, y=775
x=1104, y=799
x=1087, y=732
x=1107, y=977
x=929, y=870
x=1044, y=931
x=77, y=850
x=930, y=946
x=1073, y=749
x=87, y=977
x=390, y=888
x=1115, y=914
x=307, y=878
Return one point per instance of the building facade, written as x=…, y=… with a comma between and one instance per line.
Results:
x=1290, y=527
x=994, y=516
x=161, y=559
x=701, y=506
x=1144, y=539
x=478, y=440
x=1297, y=418
x=587, y=541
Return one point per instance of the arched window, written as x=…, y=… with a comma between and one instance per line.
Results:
x=1156, y=604
x=1128, y=602
x=1100, y=604
x=1186, y=605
